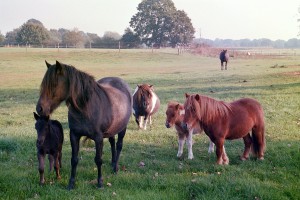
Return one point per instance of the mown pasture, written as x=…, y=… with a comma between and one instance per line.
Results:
x=274, y=81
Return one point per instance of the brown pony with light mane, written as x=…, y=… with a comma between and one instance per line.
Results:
x=175, y=114
x=221, y=120
x=97, y=109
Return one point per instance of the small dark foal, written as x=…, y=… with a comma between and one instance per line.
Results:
x=50, y=139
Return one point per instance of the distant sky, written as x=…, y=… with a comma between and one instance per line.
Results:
x=223, y=19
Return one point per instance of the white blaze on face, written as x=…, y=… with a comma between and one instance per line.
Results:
x=181, y=112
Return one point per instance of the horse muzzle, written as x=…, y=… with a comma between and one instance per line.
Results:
x=42, y=111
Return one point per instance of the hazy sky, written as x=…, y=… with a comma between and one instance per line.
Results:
x=224, y=19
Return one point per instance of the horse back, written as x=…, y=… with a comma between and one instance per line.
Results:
x=57, y=131
x=248, y=113
x=119, y=97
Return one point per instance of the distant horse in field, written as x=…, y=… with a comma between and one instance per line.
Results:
x=96, y=109
x=224, y=57
x=175, y=114
x=50, y=138
x=145, y=104
x=221, y=120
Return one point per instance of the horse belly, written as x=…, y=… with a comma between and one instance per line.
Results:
x=121, y=111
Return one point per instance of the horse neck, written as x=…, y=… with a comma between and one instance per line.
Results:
x=81, y=87
x=211, y=109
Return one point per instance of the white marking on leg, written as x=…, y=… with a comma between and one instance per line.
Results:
x=150, y=119
x=225, y=157
x=211, y=147
x=180, y=147
x=145, y=123
x=190, y=144
x=141, y=121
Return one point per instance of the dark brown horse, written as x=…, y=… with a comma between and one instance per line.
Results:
x=175, y=114
x=221, y=120
x=224, y=57
x=50, y=138
x=145, y=104
x=96, y=109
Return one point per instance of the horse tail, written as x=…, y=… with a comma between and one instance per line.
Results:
x=258, y=141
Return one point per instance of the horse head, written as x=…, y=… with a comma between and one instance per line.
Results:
x=191, y=108
x=54, y=88
x=42, y=127
x=174, y=114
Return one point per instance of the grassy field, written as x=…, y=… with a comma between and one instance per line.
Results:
x=274, y=81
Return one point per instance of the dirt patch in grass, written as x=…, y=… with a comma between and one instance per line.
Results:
x=296, y=73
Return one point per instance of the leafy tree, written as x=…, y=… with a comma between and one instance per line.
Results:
x=183, y=31
x=130, y=39
x=1, y=37
x=74, y=38
x=109, y=40
x=158, y=22
x=32, y=32
x=10, y=37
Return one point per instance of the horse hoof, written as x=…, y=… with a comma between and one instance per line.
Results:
x=261, y=158
x=180, y=157
x=243, y=158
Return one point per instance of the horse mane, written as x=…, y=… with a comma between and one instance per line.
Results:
x=81, y=84
x=143, y=89
x=208, y=109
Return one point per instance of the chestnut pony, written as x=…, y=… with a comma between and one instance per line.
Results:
x=145, y=104
x=221, y=120
x=96, y=109
x=175, y=114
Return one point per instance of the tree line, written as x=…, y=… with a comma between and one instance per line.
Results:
x=157, y=23
x=246, y=43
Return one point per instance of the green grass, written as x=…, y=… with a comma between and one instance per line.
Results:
x=272, y=81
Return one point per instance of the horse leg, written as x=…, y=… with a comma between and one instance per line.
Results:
x=150, y=119
x=60, y=156
x=190, y=144
x=41, y=158
x=211, y=147
x=225, y=65
x=247, y=142
x=180, y=146
x=56, y=165
x=222, y=67
x=51, y=162
x=98, y=158
x=145, y=122
x=219, y=151
x=258, y=142
x=119, y=149
x=140, y=122
x=225, y=157
x=112, y=142
x=74, y=160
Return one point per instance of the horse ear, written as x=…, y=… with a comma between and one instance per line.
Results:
x=48, y=64
x=187, y=95
x=58, y=67
x=197, y=97
x=36, y=116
